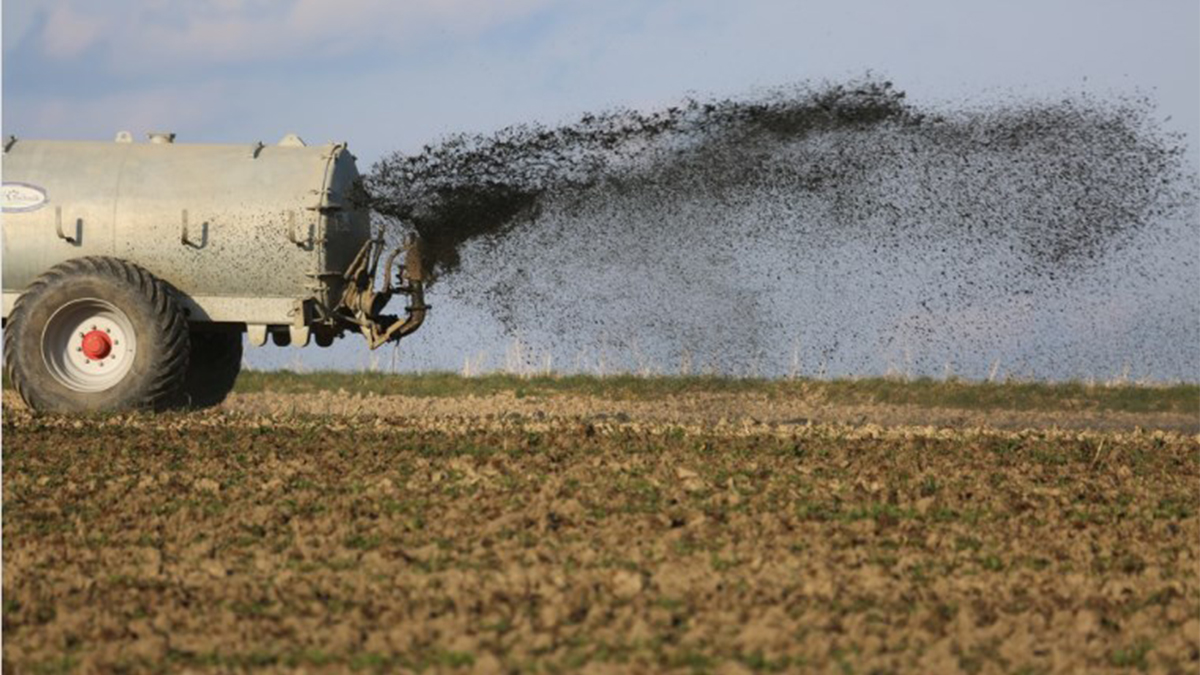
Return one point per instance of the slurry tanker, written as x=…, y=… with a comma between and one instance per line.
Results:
x=131, y=270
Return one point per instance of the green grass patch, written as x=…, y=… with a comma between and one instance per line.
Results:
x=927, y=393
x=1132, y=656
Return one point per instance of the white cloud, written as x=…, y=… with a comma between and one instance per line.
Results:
x=160, y=109
x=68, y=32
x=149, y=35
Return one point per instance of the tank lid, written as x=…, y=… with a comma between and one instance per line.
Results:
x=161, y=137
x=292, y=141
x=123, y=137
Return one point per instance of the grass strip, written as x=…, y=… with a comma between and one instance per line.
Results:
x=960, y=394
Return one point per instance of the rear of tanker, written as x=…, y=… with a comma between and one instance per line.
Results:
x=132, y=270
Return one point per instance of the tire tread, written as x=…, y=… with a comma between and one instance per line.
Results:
x=169, y=325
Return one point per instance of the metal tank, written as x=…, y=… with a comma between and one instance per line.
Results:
x=272, y=240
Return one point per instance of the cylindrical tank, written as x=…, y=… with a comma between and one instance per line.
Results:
x=131, y=270
x=244, y=232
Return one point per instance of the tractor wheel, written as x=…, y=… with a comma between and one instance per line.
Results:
x=216, y=362
x=96, y=334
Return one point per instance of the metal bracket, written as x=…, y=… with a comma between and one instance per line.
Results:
x=325, y=201
x=183, y=234
x=361, y=300
x=255, y=149
x=185, y=230
x=9, y=140
x=299, y=335
x=332, y=149
x=256, y=334
x=291, y=232
x=58, y=226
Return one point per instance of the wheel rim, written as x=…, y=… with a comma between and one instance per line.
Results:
x=88, y=345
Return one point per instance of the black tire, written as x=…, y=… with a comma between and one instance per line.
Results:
x=215, y=363
x=155, y=359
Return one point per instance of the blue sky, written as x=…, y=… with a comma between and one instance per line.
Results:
x=386, y=74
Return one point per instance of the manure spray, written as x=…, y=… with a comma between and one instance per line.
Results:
x=836, y=229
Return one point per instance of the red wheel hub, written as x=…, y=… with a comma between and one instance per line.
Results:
x=97, y=345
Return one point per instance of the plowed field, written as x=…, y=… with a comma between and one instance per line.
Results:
x=328, y=533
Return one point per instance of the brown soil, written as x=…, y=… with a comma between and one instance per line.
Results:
x=749, y=412
x=516, y=535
